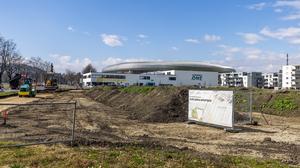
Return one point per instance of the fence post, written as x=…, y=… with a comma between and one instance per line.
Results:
x=73, y=125
x=233, y=105
x=250, y=105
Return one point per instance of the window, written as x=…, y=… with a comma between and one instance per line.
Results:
x=144, y=77
x=172, y=78
x=168, y=73
x=114, y=76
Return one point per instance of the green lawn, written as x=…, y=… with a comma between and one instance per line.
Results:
x=11, y=93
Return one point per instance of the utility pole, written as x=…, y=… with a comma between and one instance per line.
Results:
x=287, y=59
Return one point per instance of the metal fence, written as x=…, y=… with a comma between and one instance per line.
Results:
x=37, y=123
x=243, y=100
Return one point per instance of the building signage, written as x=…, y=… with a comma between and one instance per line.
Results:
x=197, y=77
x=212, y=107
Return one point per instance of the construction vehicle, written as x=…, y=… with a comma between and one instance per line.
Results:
x=15, y=81
x=51, y=85
x=51, y=82
x=27, y=89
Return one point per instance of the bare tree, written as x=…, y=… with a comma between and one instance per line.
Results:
x=2, y=66
x=89, y=68
x=8, y=53
x=72, y=77
x=40, y=68
x=14, y=64
x=35, y=62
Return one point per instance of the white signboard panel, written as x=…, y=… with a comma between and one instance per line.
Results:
x=212, y=107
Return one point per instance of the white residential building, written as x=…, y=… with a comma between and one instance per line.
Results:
x=241, y=79
x=270, y=80
x=291, y=77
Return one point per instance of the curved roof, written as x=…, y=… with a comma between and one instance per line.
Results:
x=151, y=66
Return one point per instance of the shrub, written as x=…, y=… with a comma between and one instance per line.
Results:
x=284, y=104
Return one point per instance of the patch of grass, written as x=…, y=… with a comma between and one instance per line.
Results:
x=284, y=104
x=62, y=156
x=137, y=89
x=17, y=165
x=5, y=94
x=239, y=161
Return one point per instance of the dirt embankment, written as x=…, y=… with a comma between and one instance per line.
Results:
x=161, y=104
x=169, y=104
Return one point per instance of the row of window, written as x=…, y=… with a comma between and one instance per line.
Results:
x=113, y=76
x=172, y=78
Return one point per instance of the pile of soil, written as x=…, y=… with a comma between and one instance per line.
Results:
x=161, y=104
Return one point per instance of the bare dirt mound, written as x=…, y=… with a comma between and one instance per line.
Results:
x=155, y=104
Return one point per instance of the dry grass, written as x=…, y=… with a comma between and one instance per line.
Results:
x=63, y=156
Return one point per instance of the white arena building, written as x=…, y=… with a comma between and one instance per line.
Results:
x=175, y=73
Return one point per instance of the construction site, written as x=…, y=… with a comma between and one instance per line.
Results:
x=147, y=119
x=146, y=84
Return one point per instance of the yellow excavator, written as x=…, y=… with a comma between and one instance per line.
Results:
x=51, y=82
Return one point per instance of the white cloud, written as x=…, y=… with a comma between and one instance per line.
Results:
x=252, y=59
x=112, y=40
x=191, y=40
x=252, y=53
x=294, y=40
x=258, y=6
x=293, y=4
x=63, y=62
x=70, y=28
x=290, y=34
x=142, y=36
x=175, y=48
x=142, y=39
x=294, y=16
x=116, y=60
x=250, y=38
x=278, y=10
x=211, y=38
x=229, y=50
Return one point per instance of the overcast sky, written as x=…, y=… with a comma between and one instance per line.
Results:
x=249, y=35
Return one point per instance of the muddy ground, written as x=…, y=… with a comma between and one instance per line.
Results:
x=99, y=124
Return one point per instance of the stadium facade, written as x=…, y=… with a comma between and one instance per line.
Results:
x=175, y=73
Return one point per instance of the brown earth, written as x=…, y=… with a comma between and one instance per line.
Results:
x=166, y=104
x=113, y=124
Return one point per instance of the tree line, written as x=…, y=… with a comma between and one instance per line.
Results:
x=12, y=63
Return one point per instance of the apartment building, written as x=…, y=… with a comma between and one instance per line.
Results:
x=291, y=77
x=270, y=80
x=241, y=79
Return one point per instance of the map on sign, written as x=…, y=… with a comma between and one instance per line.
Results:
x=212, y=107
